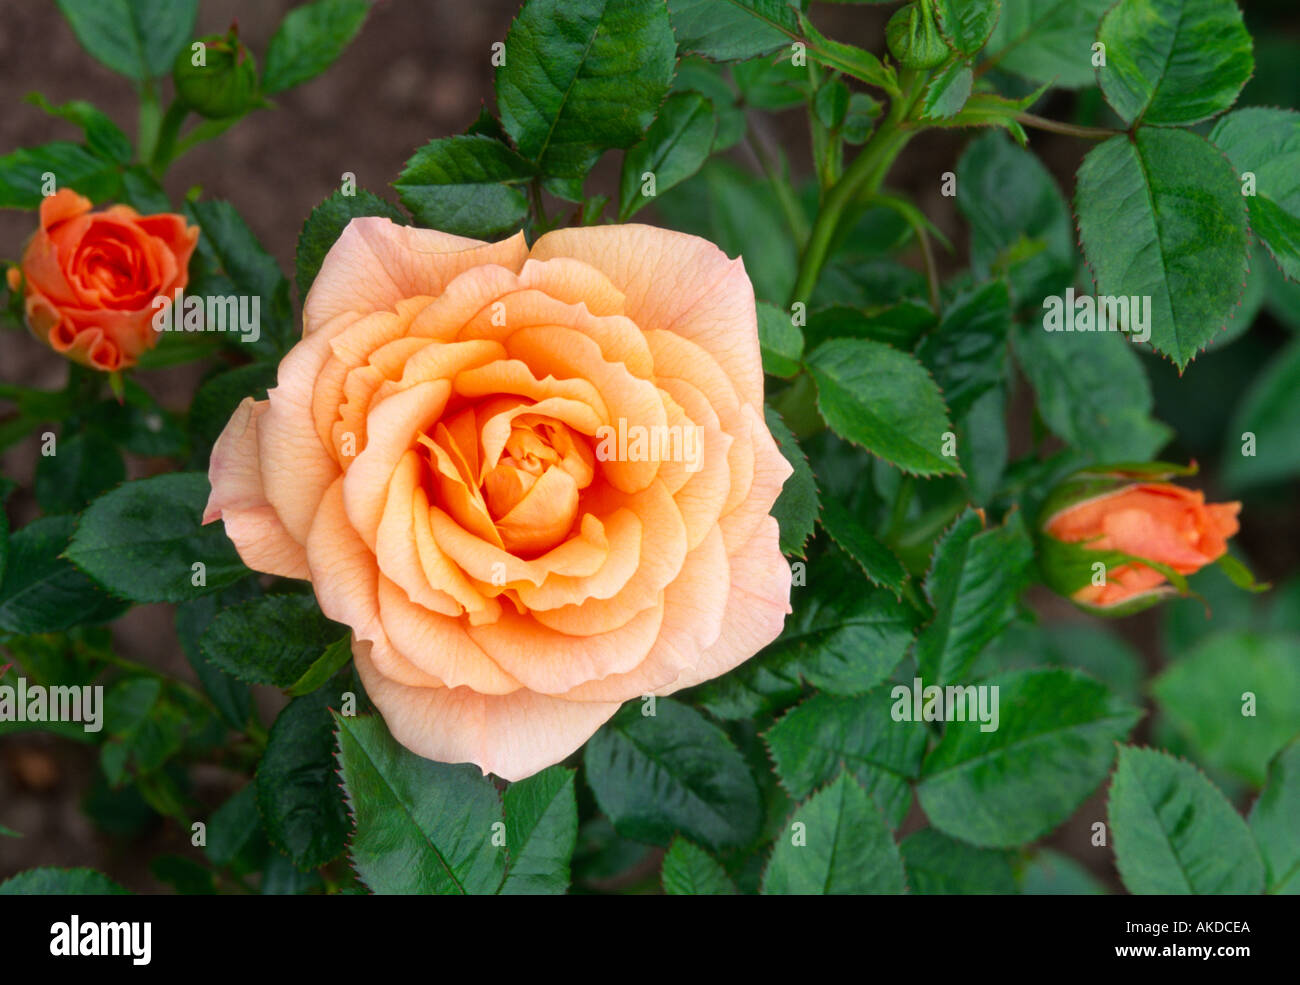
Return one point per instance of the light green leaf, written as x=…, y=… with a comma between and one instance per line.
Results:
x=947, y=91
x=1173, y=62
x=467, y=186
x=674, y=148
x=731, y=30
x=1048, y=40
x=136, y=38
x=974, y=582
x=967, y=24
x=1053, y=746
x=1093, y=392
x=327, y=222
x=581, y=76
x=1237, y=698
x=672, y=772
x=1266, y=143
x=843, y=846
x=796, y=508
x=780, y=341
x=825, y=734
x=297, y=787
x=1273, y=822
x=688, y=870
x=1175, y=833
x=103, y=136
x=541, y=832
x=939, y=865
x=421, y=827
x=335, y=658
x=22, y=174
x=142, y=540
x=309, y=39
x=1161, y=215
x=885, y=401
x=1053, y=874
x=60, y=882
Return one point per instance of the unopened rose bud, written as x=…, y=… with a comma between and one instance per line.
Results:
x=914, y=39
x=223, y=83
x=1117, y=539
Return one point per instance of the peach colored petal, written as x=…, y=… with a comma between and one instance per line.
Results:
x=573, y=282
x=237, y=499
x=541, y=519
x=756, y=608
x=675, y=282
x=771, y=469
x=376, y=263
x=396, y=549
x=512, y=736
x=578, y=556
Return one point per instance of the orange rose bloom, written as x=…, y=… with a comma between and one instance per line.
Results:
x=456, y=456
x=1159, y=521
x=90, y=278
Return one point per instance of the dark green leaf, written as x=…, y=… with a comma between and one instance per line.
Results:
x=541, y=832
x=967, y=352
x=270, y=640
x=327, y=222
x=1048, y=40
x=689, y=870
x=421, y=827
x=143, y=539
x=22, y=174
x=796, y=508
x=1273, y=822
x=672, y=772
x=42, y=592
x=467, y=186
x=731, y=31
x=675, y=147
x=1175, y=833
x=60, y=882
x=836, y=842
x=581, y=76
x=335, y=658
x=874, y=558
x=1054, y=743
x=1173, y=62
x=939, y=865
x=297, y=789
x=103, y=136
x=232, y=698
x=309, y=39
x=1260, y=445
x=85, y=465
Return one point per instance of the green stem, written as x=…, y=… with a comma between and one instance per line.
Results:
x=898, y=511
x=150, y=120
x=166, y=149
x=785, y=198
x=1069, y=129
x=864, y=175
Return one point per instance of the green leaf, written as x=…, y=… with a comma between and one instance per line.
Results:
x=1266, y=143
x=231, y=697
x=43, y=593
x=327, y=222
x=1175, y=833
x=308, y=41
x=1048, y=40
x=297, y=789
x=1269, y=412
x=217, y=398
x=581, y=76
x=885, y=401
x=421, y=827
x=1273, y=822
x=103, y=136
x=335, y=658
x=1093, y=392
x=142, y=540
x=875, y=559
x=1003, y=224
x=842, y=846
x=468, y=186
x=947, y=91
x=899, y=325
x=939, y=865
x=233, y=827
x=796, y=508
x=85, y=465
x=60, y=882
x=967, y=353
x=780, y=341
x=1054, y=874
x=732, y=30
x=688, y=870
x=1161, y=215
x=273, y=640
x=825, y=734
x=672, y=772
x=974, y=583
x=675, y=147
x=1173, y=62
x=1054, y=744
x=1237, y=698
x=698, y=75
x=541, y=832
x=967, y=24
x=22, y=174
x=136, y=38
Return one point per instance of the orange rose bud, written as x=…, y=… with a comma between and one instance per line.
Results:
x=90, y=278
x=1117, y=541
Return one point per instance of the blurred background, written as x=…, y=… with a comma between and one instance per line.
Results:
x=421, y=69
